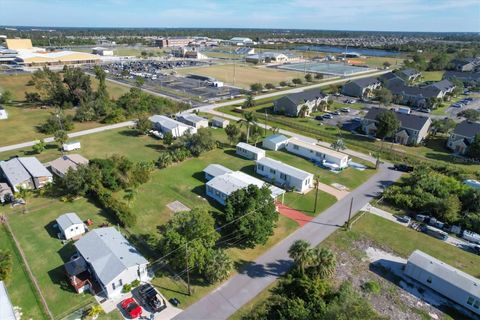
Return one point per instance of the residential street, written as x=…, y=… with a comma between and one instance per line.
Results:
x=240, y=289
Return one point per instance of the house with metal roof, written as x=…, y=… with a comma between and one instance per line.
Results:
x=462, y=136
x=250, y=152
x=193, y=120
x=165, y=125
x=292, y=104
x=25, y=173
x=40, y=175
x=111, y=260
x=275, y=142
x=213, y=170
x=222, y=186
x=413, y=128
x=6, y=307
x=448, y=281
x=70, y=226
x=284, y=175
x=67, y=162
x=325, y=157
x=219, y=122
x=361, y=88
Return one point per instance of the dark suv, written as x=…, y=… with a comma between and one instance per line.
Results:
x=403, y=167
x=151, y=297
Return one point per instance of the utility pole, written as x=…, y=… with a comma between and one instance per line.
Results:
x=266, y=116
x=316, y=193
x=188, y=271
x=350, y=214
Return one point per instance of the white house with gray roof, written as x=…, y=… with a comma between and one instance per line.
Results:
x=219, y=122
x=165, y=125
x=67, y=162
x=213, y=170
x=361, y=88
x=111, y=260
x=221, y=186
x=448, y=281
x=275, y=142
x=250, y=152
x=326, y=157
x=193, y=120
x=25, y=173
x=284, y=175
x=70, y=226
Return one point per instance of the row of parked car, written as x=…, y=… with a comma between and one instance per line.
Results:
x=462, y=103
x=150, y=298
x=439, y=229
x=330, y=115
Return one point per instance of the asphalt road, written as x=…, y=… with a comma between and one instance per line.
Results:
x=256, y=276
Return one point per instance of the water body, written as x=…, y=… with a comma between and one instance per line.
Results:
x=364, y=52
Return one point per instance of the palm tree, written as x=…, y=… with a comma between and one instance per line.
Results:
x=338, y=145
x=303, y=111
x=95, y=311
x=248, y=120
x=300, y=253
x=23, y=193
x=249, y=102
x=164, y=160
x=323, y=262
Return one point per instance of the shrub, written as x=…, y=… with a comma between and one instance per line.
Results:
x=372, y=287
x=127, y=288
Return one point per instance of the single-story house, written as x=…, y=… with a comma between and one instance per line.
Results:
x=3, y=113
x=219, y=122
x=284, y=175
x=250, y=152
x=70, y=146
x=6, y=307
x=275, y=142
x=61, y=165
x=111, y=260
x=213, y=170
x=362, y=87
x=25, y=172
x=413, y=128
x=329, y=158
x=448, y=281
x=165, y=125
x=222, y=186
x=193, y=120
x=292, y=104
x=409, y=74
x=6, y=193
x=70, y=226
x=462, y=136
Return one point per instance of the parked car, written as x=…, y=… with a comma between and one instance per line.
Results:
x=421, y=217
x=403, y=167
x=319, y=118
x=424, y=110
x=151, y=297
x=327, y=116
x=336, y=113
x=345, y=110
x=132, y=308
x=404, y=219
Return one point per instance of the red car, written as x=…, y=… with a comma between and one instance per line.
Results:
x=132, y=308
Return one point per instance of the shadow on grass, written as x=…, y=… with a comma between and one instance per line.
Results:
x=52, y=230
x=130, y=133
x=58, y=277
x=156, y=147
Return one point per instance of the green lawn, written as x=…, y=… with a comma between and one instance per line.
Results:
x=403, y=241
x=432, y=75
x=20, y=289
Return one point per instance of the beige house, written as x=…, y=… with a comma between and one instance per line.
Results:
x=61, y=165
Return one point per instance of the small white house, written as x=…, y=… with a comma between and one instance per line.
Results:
x=213, y=170
x=168, y=125
x=275, y=142
x=284, y=175
x=219, y=122
x=71, y=146
x=193, y=120
x=324, y=156
x=250, y=152
x=3, y=113
x=70, y=226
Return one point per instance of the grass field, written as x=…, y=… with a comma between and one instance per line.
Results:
x=377, y=62
x=432, y=75
x=245, y=75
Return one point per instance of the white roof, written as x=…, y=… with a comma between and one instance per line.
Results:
x=6, y=307
x=446, y=272
x=191, y=117
x=167, y=122
x=216, y=170
x=318, y=148
x=276, y=138
x=284, y=168
x=109, y=253
x=35, y=167
x=250, y=148
x=67, y=220
x=14, y=171
x=231, y=182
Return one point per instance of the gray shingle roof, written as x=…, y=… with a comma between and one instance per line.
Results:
x=34, y=167
x=442, y=85
x=465, y=76
x=109, y=253
x=67, y=220
x=446, y=272
x=307, y=95
x=467, y=128
x=284, y=168
x=216, y=170
x=14, y=171
x=408, y=72
x=365, y=82
x=410, y=121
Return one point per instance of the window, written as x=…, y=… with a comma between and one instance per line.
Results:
x=217, y=192
x=120, y=283
x=476, y=305
x=283, y=176
x=295, y=147
x=470, y=301
x=429, y=280
x=260, y=167
x=113, y=286
x=272, y=171
x=311, y=151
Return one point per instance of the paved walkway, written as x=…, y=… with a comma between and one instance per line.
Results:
x=299, y=217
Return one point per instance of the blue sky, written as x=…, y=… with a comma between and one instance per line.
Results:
x=395, y=15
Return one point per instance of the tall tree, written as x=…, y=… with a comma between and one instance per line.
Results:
x=473, y=150
x=248, y=120
x=249, y=102
x=299, y=251
x=387, y=124
x=60, y=137
x=218, y=267
x=303, y=111
x=232, y=132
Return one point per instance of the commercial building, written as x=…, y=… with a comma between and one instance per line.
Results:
x=284, y=175
x=462, y=136
x=25, y=173
x=172, y=42
x=448, y=281
x=292, y=104
x=222, y=184
x=413, y=128
x=326, y=157
x=168, y=125
x=275, y=142
x=101, y=51
x=193, y=120
x=189, y=53
x=240, y=41
x=250, y=152
x=266, y=57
